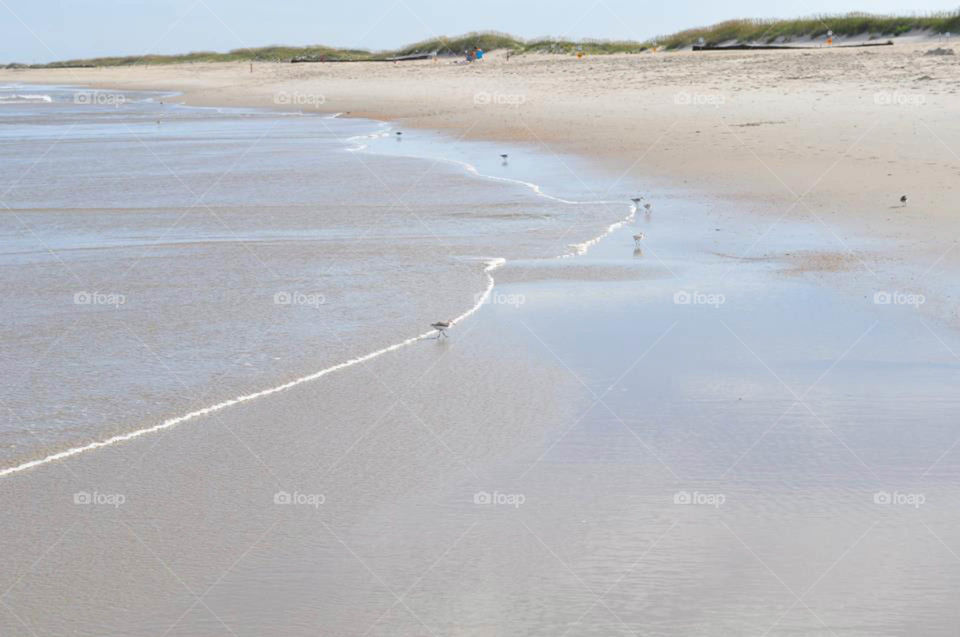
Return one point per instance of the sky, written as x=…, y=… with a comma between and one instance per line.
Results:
x=45, y=30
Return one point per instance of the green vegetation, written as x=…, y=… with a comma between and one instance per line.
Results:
x=489, y=41
x=757, y=31
x=851, y=24
x=264, y=54
x=590, y=47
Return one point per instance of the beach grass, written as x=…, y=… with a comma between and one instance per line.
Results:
x=851, y=24
x=731, y=31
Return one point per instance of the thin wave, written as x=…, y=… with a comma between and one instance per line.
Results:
x=492, y=264
x=11, y=99
x=578, y=249
x=359, y=140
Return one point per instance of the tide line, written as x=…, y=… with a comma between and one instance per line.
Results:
x=492, y=264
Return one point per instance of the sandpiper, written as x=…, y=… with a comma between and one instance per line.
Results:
x=441, y=327
x=903, y=200
x=638, y=239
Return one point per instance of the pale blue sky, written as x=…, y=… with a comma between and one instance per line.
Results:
x=42, y=30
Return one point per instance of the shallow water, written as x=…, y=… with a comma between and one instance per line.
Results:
x=162, y=259
x=665, y=441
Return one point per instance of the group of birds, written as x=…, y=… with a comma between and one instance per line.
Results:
x=639, y=237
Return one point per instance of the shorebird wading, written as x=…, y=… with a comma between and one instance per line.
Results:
x=441, y=327
x=638, y=239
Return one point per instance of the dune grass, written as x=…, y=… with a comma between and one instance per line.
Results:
x=851, y=24
x=263, y=54
x=756, y=31
x=488, y=41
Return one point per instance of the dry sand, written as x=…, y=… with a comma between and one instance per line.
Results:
x=830, y=135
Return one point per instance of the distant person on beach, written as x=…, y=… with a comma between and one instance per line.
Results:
x=479, y=53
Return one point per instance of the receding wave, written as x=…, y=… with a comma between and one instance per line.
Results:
x=12, y=99
x=491, y=264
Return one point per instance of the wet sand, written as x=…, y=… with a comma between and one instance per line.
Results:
x=724, y=433
x=587, y=454
x=834, y=136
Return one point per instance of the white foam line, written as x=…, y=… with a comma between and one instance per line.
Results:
x=492, y=264
x=30, y=97
x=359, y=138
x=470, y=168
x=579, y=249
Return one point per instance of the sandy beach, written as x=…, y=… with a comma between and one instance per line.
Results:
x=716, y=428
x=834, y=135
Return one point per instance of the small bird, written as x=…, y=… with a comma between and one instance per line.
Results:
x=636, y=201
x=647, y=206
x=399, y=132
x=903, y=200
x=441, y=327
x=638, y=238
